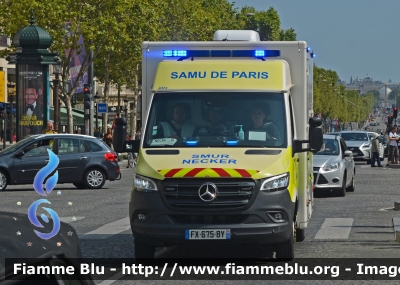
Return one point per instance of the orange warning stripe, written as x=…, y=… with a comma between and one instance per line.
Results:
x=207, y=172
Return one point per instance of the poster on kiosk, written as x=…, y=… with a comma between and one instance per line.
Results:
x=30, y=100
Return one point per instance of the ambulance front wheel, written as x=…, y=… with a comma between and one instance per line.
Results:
x=285, y=250
x=144, y=251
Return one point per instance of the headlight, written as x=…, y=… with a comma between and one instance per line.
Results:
x=366, y=145
x=275, y=183
x=332, y=166
x=141, y=183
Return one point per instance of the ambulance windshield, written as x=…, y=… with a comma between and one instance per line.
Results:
x=216, y=119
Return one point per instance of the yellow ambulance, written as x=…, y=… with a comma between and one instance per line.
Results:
x=226, y=150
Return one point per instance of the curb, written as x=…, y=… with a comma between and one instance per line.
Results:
x=396, y=227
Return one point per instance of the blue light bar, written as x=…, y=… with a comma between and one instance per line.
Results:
x=231, y=142
x=186, y=53
x=191, y=143
x=170, y=53
x=260, y=53
x=256, y=53
x=308, y=49
x=220, y=53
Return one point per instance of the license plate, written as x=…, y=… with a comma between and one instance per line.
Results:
x=207, y=234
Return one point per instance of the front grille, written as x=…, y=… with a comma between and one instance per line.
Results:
x=209, y=219
x=356, y=150
x=231, y=193
x=316, y=169
x=322, y=180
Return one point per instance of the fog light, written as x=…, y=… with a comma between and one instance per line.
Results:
x=141, y=217
x=277, y=217
x=335, y=180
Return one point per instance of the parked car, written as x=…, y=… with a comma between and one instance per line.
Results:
x=359, y=143
x=381, y=147
x=334, y=167
x=84, y=161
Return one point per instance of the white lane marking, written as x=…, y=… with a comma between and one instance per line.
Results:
x=112, y=279
x=108, y=230
x=70, y=219
x=335, y=228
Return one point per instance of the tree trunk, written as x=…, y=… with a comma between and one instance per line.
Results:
x=70, y=118
x=106, y=91
x=119, y=100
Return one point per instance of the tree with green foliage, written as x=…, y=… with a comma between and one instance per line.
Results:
x=97, y=22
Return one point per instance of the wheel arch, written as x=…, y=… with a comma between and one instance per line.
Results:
x=7, y=173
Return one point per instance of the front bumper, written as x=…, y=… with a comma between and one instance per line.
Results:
x=360, y=154
x=164, y=226
x=327, y=180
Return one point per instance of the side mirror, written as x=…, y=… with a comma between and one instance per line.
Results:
x=19, y=154
x=348, y=153
x=131, y=146
x=315, y=136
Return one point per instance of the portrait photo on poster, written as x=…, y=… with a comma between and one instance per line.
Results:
x=30, y=103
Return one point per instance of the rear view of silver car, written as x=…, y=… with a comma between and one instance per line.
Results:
x=334, y=168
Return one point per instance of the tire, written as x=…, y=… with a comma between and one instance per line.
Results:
x=3, y=180
x=285, y=250
x=144, y=251
x=342, y=192
x=94, y=178
x=352, y=186
x=300, y=235
x=79, y=185
x=368, y=161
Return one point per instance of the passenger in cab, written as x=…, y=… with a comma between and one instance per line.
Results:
x=216, y=126
x=178, y=127
x=257, y=115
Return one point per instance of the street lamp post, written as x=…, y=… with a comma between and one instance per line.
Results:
x=96, y=101
x=11, y=96
x=56, y=103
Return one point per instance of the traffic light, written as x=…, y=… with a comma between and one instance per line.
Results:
x=395, y=112
x=86, y=96
x=1, y=113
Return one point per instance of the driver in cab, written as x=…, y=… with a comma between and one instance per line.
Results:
x=257, y=115
x=178, y=127
x=216, y=126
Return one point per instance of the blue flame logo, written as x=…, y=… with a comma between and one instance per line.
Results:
x=49, y=186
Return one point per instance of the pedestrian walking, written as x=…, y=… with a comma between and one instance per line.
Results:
x=138, y=135
x=393, y=149
x=108, y=137
x=375, y=151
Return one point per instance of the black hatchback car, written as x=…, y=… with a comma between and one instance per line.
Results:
x=84, y=161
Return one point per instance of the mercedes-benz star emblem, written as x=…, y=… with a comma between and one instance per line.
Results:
x=208, y=192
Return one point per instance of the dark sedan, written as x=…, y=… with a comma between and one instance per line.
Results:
x=83, y=160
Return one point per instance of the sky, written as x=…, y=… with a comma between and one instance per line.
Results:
x=355, y=38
